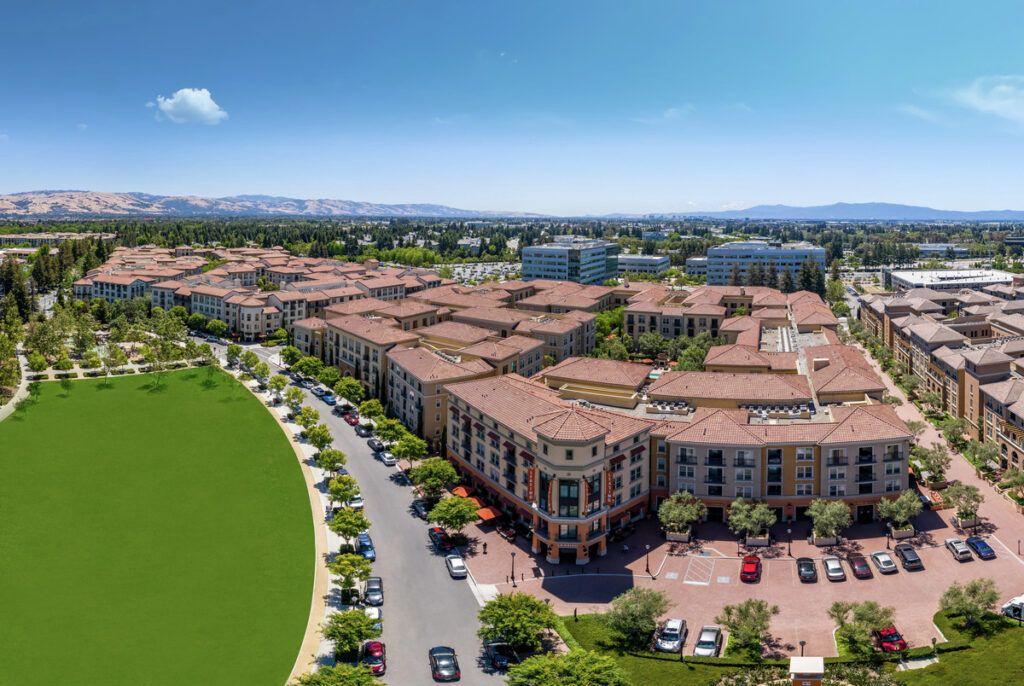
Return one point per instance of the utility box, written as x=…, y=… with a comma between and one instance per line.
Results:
x=806, y=671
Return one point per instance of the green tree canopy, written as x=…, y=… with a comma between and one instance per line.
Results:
x=389, y=430
x=410, y=448
x=329, y=376
x=233, y=353
x=350, y=389
x=348, y=523
x=453, y=513
x=290, y=355
x=517, y=618
x=307, y=417
x=216, y=327
x=342, y=489
x=747, y=622
x=348, y=630
x=634, y=614
x=433, y=476
x=575, y=668
x=339, y=675
x=901, y=509
x=371, y=408
x=293, y=398
x=971, y=601
x=750, y=520
x=330, y=460
x=855, y=622
x=829, y=517
x=309, y=367
x=351, y=568
x=319, y=436
x=681, y=510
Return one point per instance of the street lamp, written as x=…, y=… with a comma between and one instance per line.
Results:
x=513, y=569
x=802, y=644
x=888, y=537
x=789, y=534
x=648, y=546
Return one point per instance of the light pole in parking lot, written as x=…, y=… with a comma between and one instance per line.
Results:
x=648, y=567
x=789, y=535
x=802, y=644
x=513, y=570
x=888, y=537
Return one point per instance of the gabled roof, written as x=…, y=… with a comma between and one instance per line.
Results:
x=696, y=386
x=593, y=370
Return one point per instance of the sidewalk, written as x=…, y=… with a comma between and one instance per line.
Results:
x=22, y=391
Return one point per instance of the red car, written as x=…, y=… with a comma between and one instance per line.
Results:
x=859, y=565
x=351, y=420
x=751, y=569
x=374, y=657
x=889, y=640
x=440, y=539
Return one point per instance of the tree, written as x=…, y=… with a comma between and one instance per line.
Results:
x=233, y=353
x=348, y=523
x=348, y=630
x=309, y=367
x=85, y=333
x=634, y=614
x=293, y=398
x=1013, y=480
x=517, y=618
x=278, y=383
x=735, y=278
x=113, y=357
x=371, y=408
x=308, y=417
x=834, y=292
x=966, y=498
x=829, y=517
x=250, y=360
x=930, y=399
x=281, y=334
x=179, y=313
x=916, y=428
x=36, y=361
x=63, y=363
x=410, y=448
x=749, y=520
x=650, y=344
x=339, y=675
x=935, y=460
x=197, y=321
x=261, y=372
x=351, y=568
x=786, y=282
x=290, y=355
x=953, y=428
x=971, y=602
x=855, y=622
x=216, y=327
x=747, y=622
x=547, y=361
x=330, y=460
x=981, y=453
x=771, y=275
x=681, y=510
x=453, y=513
x=576, y=668
x=901, y=509
x=319, y=436
x=390, y=430
x=329, y=376
x=342, y=489
x=350, y=389
x=755, y=275
x=911, y=383
x=433, y=476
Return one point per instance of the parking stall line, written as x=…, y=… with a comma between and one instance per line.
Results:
x=1009, y=552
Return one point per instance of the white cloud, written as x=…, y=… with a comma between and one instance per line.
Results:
x=921, y=113
x=190, y=105
x=671, y=114
x=1002, y=96
x=82, y=127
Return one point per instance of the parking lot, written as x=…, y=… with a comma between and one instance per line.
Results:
x=700, y=579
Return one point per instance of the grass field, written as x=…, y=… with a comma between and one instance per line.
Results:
x=150, y=536
x=996, y=655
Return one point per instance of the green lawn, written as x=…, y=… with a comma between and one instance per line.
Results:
x=150, y=536
x=996, y=656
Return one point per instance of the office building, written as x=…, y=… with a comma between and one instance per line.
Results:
x=786, y=256
x=941, y=251
x=643, y=264
x=572, y=258
x=949, y=279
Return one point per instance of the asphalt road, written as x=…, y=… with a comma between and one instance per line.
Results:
x=423, y=606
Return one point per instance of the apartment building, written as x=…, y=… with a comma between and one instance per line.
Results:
x=358, y=346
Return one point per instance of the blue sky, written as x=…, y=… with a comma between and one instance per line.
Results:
x=556, y=107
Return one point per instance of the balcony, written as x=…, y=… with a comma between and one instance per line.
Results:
x=743, y=462
x=837, y=461
x=509, y=457
x=510, y=475
x=865, y=479
x=893, y=457
x=686, y=459
x=714, y=479
x=715, y=461
x=865, y=459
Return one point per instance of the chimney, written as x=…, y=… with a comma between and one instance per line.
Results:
x=819, y=363
x=371, y=264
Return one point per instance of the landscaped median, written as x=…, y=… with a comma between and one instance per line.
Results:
x=996, y=647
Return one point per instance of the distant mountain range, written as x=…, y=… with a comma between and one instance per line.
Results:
x=864, y=211
x=54, y=204
x=72, y=204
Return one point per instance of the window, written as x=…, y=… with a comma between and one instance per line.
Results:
x=804, y=489
x=568, y=454
x=837, y=490
x=685, y=471
x=617, y=483
x=744, y=492
x=805, y=454
x=659, y=446
x=892, y=469
x=837, y=474
x=544, y=448
x=635, y=474
x=593, y=451
x=566, y=532
x=775, y=474
x=660, y=481
x=744, y=475
x=774, y=455
x=804, y=472
x=892, y=485
x=660, y=465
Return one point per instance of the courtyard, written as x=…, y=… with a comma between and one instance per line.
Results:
x=155, y=527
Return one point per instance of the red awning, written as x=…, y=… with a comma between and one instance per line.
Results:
x=463, y=491
x=491, y=434
x=454, y=411
x=488, y=513
x=478, y=427
x=647, y=360
x=510, y=446
x=637, y=450
x=478, y=502
x=526, y=456
x=617, y=459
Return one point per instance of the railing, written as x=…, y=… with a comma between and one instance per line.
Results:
x=743, y=462
x=893, y=457
x=686, y=460
x=714, y=479
x=862, y=479
x=715, y=461
x=837, y=461
x=509, y=475
x=865, y=459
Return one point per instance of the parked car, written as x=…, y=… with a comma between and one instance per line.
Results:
x=419, y=506
x=362, y=430
x=212, y=339
x=329, y=399
x=373, y=657
x=338, y=411
x=388, y=459
x=806, y=569
x=958, y=550
x=884, y=562
x=456, y=566
x=318, y=391
x=908, y=556
x=500, y=654
x=671, y=636
x=444, y=666
x=981, y=547
x=889, y=640
x=709, y=642
x=440, y=539
x=750, y=570
x=351, y=420
x=376, y=614
x=833, y=568
x=859, y=565
x=374, y=591
x=356, y=502
x=306, y=383
x=375, y=445
x=365, y=547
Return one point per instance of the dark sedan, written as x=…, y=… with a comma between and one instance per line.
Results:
x=375, y=445
x=363, y=431
x=859, y=565
x=806, y=569
x=908, y=556
x=444, y=666
x=501, y=654
x=980, y=547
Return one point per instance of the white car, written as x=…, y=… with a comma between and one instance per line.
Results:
x=671, y=637
x=377, y=614
x=356, y=503
x=388, y=459
x=958, y=549
x=884, y=562
x=833, y=568
x=456, y=566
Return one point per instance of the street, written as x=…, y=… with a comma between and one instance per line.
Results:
x=423, y=606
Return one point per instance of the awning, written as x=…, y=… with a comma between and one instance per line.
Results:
x=463, y=491
x=476, y=501
x=488, y=513
x=617, y=459
x=526, y=456
x=510, y=446
x=454, y=411
x=491, y=434
x=478, y=427
x=637, y=450
x=647, y=360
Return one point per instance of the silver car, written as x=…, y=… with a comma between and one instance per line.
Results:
x=884, y=562
x=456, y=566
x=709, y=642
x=833, y=568
x=388, y=459
x=958, y=549
x=671, y=637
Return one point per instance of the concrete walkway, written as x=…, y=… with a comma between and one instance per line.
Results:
x=22, y=391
